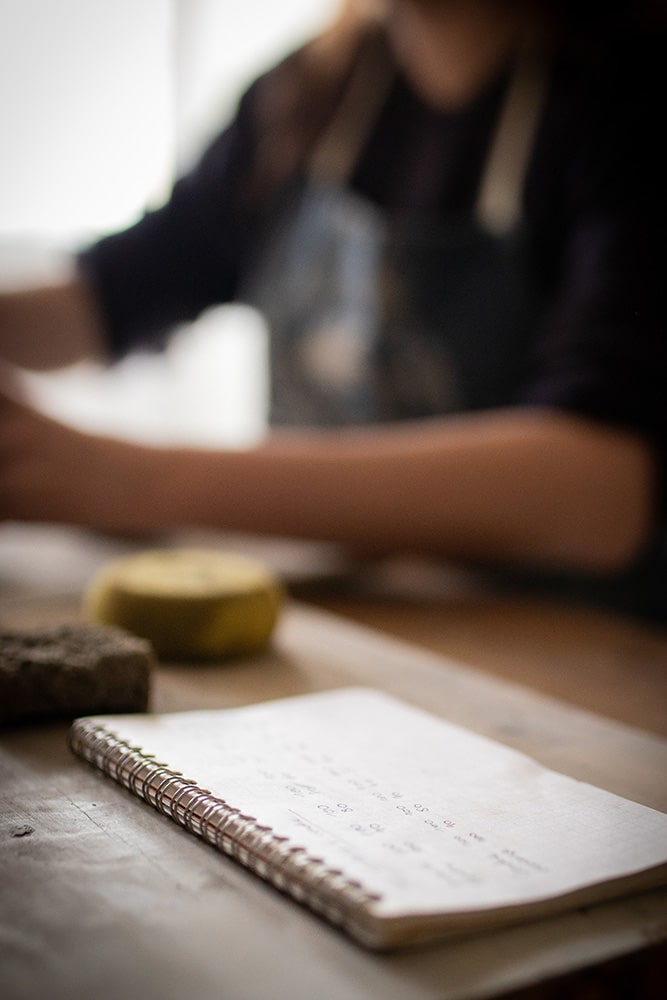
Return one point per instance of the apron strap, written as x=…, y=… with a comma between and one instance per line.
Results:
x=498, y=206
x=499, y=200
x=339, y=148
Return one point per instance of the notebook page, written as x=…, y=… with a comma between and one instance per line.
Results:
x=428, y=815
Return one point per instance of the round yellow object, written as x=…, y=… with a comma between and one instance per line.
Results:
x=190, y=604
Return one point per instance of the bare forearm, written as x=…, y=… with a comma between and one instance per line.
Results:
x=50, y=327
x=522, y=487
x=531, y=488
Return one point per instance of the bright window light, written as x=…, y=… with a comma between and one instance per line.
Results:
x=104, y=101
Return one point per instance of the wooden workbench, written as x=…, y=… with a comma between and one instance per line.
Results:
x=107, y=898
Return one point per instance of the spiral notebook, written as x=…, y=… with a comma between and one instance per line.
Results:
x=392, y=824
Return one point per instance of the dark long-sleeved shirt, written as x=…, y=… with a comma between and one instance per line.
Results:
x=592, y=197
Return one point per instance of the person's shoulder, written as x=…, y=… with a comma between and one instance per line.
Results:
x=614, y=65
x=309, y=79
x=606, y=96
x=288, y=108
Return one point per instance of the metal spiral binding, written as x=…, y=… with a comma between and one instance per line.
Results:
x=288, y=867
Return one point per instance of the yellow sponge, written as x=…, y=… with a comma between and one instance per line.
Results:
x=191, y=604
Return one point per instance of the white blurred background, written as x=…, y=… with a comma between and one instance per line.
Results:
x=103, y=103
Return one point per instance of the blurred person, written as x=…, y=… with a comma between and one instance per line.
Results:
x=450, y=212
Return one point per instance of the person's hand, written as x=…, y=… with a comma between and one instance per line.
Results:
x=52, y=472
x=40, y=463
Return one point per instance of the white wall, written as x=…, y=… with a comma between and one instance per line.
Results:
x=221, y=46
x=102, y=100
x=86, y=116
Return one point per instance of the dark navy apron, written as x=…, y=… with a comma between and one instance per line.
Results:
x=373, y=319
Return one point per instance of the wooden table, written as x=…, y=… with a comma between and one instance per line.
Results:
x=107, y=898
